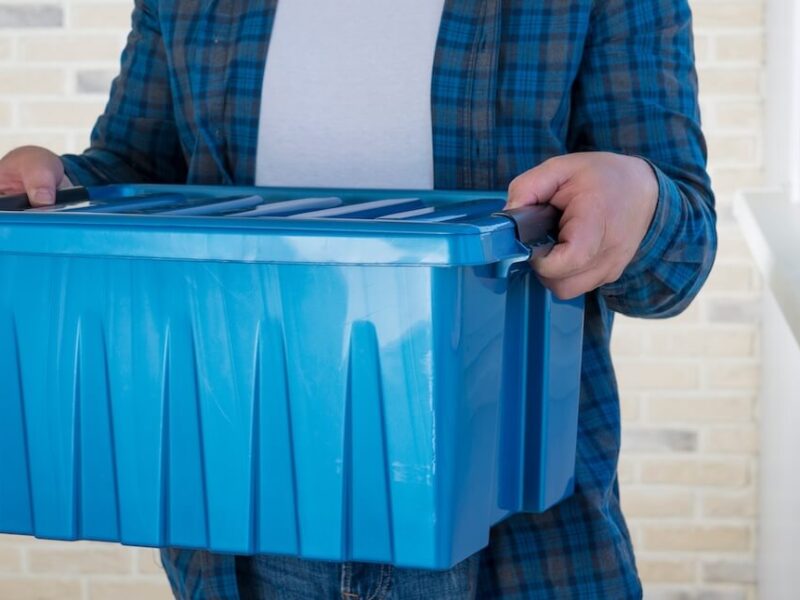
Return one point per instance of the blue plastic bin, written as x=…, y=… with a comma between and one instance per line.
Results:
x=330, y=374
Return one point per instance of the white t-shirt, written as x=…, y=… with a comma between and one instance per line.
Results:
x=346, y=99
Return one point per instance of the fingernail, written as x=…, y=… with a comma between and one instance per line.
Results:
x=42, y=196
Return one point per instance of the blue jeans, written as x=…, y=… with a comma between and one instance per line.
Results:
x=288, y=578
x=574, y=551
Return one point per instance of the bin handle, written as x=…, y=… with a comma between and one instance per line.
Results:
x=535, y=226
x=22, y=202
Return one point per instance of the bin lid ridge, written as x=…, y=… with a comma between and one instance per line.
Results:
x=269, y=225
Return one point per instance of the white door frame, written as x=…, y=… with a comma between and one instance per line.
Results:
x=782, y=96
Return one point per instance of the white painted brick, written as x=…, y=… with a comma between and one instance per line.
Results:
x=727, y=593
x=40, y=81
x=727, y=149
x=730, y=81
x=729, y=571
x=731, y=278
x=40, y=589
x=730, y=343
x=76, y=560
x=665, y=571
x=729, y=505
x=648, y=439
x=95, y=81
x=703, y=48
x=710, y=409
x=627, y=341
x=10, y=559
x=129, y=590
x=68, y=48
x=731, y=440
x=697, y=538
x=661, y=592
x=13, y=540
x=6, y=48
x=745, y=115
x=668, y=592
x=5, y=114
x=730, y=472
x=732, y=375
x=77, y=142
x=734, y=14
x=100, y=15
x=37, y=114
x=640, y=501
x=626, y=469
x=148, y=562
x=732, y=245
x=630, y=404
x=30, y=15
x=734, y=310
x=57, y=142
x=668, y=376
x=739, y=47
x=705, y=342
x=724, y=209
x=729, y=180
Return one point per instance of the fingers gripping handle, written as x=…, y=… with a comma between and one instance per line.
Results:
x=21, y=201
x=536, y=226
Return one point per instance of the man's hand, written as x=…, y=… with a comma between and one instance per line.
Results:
x=608, y=201
x=34, y=171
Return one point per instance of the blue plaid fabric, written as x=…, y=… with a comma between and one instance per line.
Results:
x=514, y=82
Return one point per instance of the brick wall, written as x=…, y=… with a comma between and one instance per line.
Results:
x=688, y=385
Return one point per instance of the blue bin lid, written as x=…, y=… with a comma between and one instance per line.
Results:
x=271, y=225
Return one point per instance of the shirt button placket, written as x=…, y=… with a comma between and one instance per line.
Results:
x=218, y=67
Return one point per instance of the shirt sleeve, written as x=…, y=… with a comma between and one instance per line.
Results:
x=636, y=94
x=136, y=138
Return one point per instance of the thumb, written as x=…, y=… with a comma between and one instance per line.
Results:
x=538, y=185
x=40, y=185
x=578, y=247
x=562, y=261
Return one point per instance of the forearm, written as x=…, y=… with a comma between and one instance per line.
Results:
x=150, y=155
x=98, y=167
x=136, y=139
x=675, y=257
x=637, y=95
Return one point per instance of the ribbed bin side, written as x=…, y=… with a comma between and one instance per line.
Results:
x=541, y=390
x=320, y=411
x=57, y=403
x=16, y=511
x=358, y=344
x=468, y=368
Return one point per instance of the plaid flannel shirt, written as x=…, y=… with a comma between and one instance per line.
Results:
x=514, y=82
